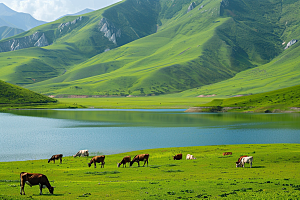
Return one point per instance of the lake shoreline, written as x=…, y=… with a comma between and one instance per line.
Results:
x=216, y=109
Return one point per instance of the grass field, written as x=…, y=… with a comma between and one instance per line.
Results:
x=154, y=102
x=274, y=175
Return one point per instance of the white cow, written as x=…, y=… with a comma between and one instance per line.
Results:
x=245, y=160
x=81, y=153
x=190, y=157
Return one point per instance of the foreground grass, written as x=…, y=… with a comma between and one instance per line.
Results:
x=274, y=175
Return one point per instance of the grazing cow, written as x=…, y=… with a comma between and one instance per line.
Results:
x=245, y=160
x=56, y=157
x=140, y=157
x=34, y=179
x=82, y=153
x=97, y=159
x=177, y=157
x=125, y=160
x=240, y=158
x=227, y=153
x=190, y=157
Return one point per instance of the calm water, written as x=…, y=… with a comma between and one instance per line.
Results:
x=38, y=134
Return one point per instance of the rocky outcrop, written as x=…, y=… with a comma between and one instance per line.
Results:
x=42, y=41
x=67, y=26
x=191, y=7
x=37, y=39
x=293, y=41
x=110, y=30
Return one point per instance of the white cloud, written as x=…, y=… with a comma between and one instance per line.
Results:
x=49, y=10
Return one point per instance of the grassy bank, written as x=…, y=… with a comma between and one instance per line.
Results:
x=282, y=100
x=274, y=175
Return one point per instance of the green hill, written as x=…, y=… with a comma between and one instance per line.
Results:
x=11, y=94
x=157, y=47
x=287, y=99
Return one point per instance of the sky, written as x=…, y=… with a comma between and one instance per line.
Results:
x=50, y=10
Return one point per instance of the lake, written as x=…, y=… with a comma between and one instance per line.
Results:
x=38, y=134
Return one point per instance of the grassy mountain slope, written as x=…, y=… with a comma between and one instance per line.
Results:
x=172, y=50
x=72, y=43
x=274, y=101
x=11, y=94
x=145, y=65
x=282, y=72
x=179, y=56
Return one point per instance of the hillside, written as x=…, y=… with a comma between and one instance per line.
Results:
x=11, y=94
x=287, y=99
x=152, y=47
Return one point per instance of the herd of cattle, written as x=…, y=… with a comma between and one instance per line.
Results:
x=40, y=179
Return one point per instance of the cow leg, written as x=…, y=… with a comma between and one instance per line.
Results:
x=95, y=164
x=22, y=184
x=138, y=163
x=60, y=160
x=22, y=189
x=41, y=188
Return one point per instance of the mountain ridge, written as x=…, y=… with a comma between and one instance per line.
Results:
x=82, y=12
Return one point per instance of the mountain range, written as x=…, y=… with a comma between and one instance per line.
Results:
x=13, y=19
x=6, y=32
x=151, y=47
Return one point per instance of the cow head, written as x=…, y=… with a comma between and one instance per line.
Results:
x=119, y=164
x=238, y=164
x=49, y=160
x=51, y=189
x=89, y=164
x=131, y=162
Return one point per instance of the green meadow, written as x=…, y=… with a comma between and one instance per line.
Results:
x=154, y=102
x=274, y=175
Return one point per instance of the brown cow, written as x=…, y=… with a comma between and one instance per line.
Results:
x=34, y=179
x=56, y=157
x=140, y=157
x=97, y=159
x=177, y=157
x=227, y=153
x=125, y=160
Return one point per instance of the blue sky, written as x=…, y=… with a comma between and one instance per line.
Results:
x=49, y=10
